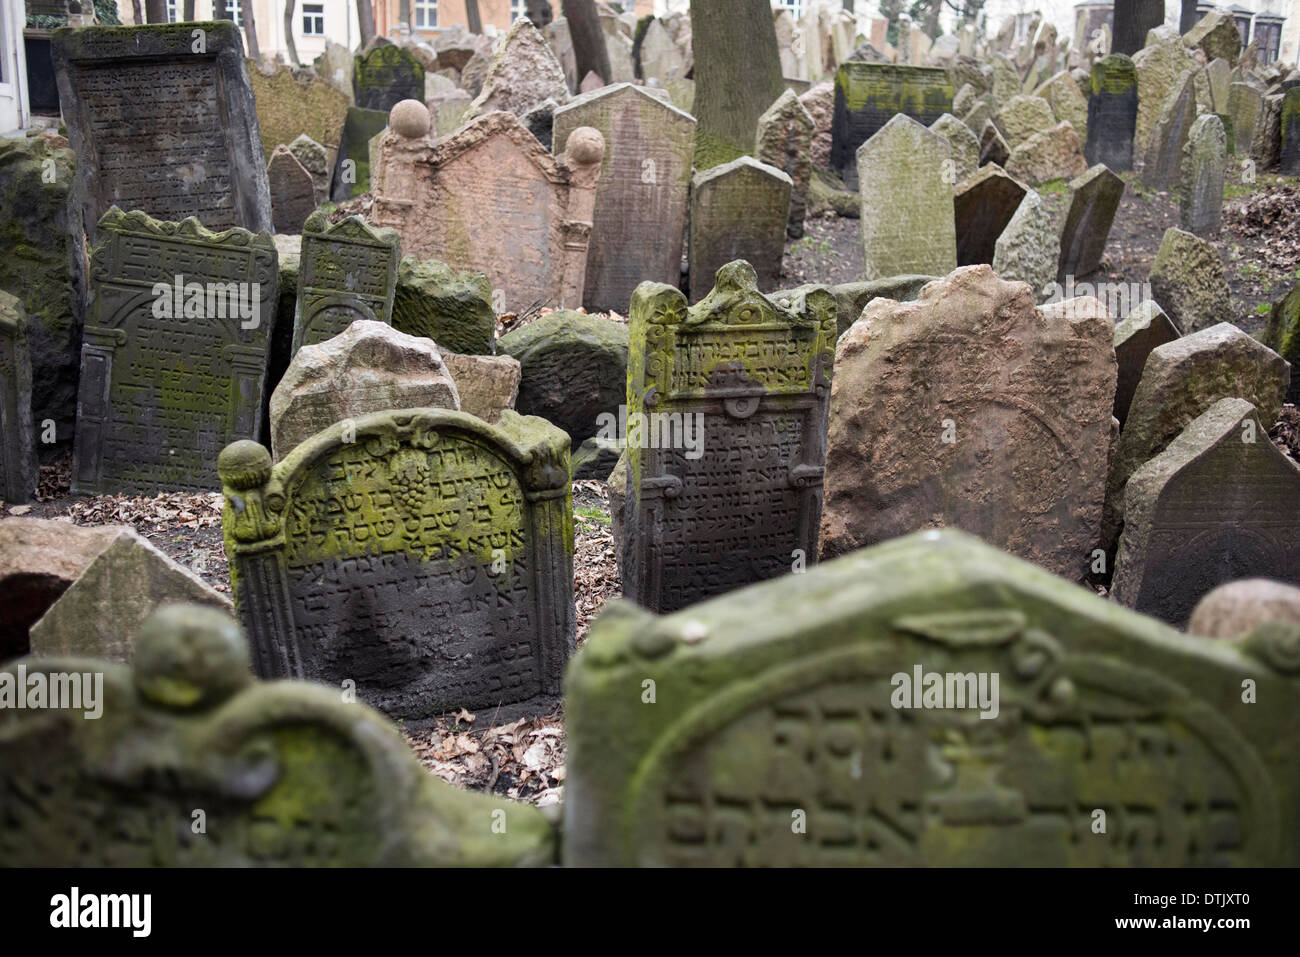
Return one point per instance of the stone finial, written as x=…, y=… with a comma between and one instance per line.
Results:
x=409, y=119
x=190, y=657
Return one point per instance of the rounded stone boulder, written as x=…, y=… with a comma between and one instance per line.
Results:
x=1235, y=609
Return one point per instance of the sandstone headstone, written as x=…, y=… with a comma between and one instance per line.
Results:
x=1188, y=280
x=385, y=76
x=425, y=555
x=1245, y=103
x=726, y=415
x=1006, y=78
x=1160, y=66
x=948, y=411
x=1112, y=113
x=1218, y=76
x=488, y=385
x=852, y=297
x=982, y=207
x=452, y=308
x=964, y=100
x=1214, y=506
x=315, y=160
x=1266, y=148
x=490, y=198
x=573, y=370
x=369, y=367
x=1235, y=609
x=293, y=193
x=1023, y=116
x=286, y=774
x=1066, y=101
x=1205, y=159
x=348, y=272
x=1094, y=199
x=1055, y=153
x=1164, y=154
x=1216, y=34
x=522, y=73
x=660, y=58
x=739, y=210
x=784, y=141
x=175, y=352
x=19, y=472
x=1029, y=248
x=965, y=147
x=1145, y=328
x=819, y=101
x=907, y=209
x=100, y=613
x=160, y=129
x=639, y=218
x=869, y=95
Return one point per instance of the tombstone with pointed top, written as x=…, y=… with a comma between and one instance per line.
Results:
x=983, y=204
x=1145, y=328
x=1164, y=154
x=784, y=140
x=293, y=194
x=1205, y=159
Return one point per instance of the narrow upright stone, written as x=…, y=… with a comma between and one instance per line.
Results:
x=784, y=141
x=1145, y=328
x=19, y=472
x=982, y=207
x=1188, y=279
x=1205, y=160
x=1112, y=113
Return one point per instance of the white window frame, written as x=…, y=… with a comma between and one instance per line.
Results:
x=517, y=10
x=173, y=11
x=314, y=17
x=426, y=8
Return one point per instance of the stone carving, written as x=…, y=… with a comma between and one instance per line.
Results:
x=348, y=272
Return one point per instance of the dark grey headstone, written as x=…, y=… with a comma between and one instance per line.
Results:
x=19, y=473
x=1112, y=113
x=293, y=195
x=983, y=204
x=1290, y=162
x=540, y=119
x=1145, y=328
x=385, y=76
x=1094, y=199
x=1164, y=155
x=352, y=165
x=348, y=271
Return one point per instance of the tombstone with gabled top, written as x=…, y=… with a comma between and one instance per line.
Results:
x=348, y=271
x=739, y=210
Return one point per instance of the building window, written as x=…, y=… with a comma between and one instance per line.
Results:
x=235, y=10
x=173, y=13
x=794, y=6
x=313, y=19
x=425, y=13
x=516, y=10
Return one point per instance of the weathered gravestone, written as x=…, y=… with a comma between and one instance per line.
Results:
x=907, y=206
x=982, y=207
x=1189, y=280
x=1055, y=153
x=161, y=127
x=1160, y=66
x=488, y=385
x=522, y=73
x=727, y=405
x=452, y=308
x=315, y=159
x=1237, y=608
x=1283, y=336
x=369, y=367
x=1290, y=126
x=1094, y=199
x=1205, y=159
x=1245, y=104
x=352, y=164
x=1145, y=328
x=869, y=717
x=639, y=219
x=739, y=210
x=286, y=774
x=174, y=355
x=425, y=555
x=868, y=95
x=1066, y=100
x=1112, y=113
x=490, y=198
x=963, y=143
x=993, y=148
x=784, y=140
x=1029, y=248
x=385, y=76
x=293, y=193
x=1216, y=505
x=948, y=411
x=1022, y=116
x=1217, y=35
x=348, y=271
x=1164, y=153
x=19, y=472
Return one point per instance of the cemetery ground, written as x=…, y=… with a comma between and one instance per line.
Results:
x=525, y=759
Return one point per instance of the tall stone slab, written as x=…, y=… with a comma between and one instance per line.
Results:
x=1094, y=200
x=738, y=498
x=907, y=207
x=1217, y=505
x=1282, y=334
x=739, y=210
x=293, y=193
x=286, y=774
x=1205, y=160
x=1245, y=103
x=964, y=144
x=19, y=472
x=784, y=140
x=351, y=175
x=425, y=555
x=949, y=412
x=982, y=207
x=347, y=272
x=1164, y=152
x=1290, y=126
x=868, y=95
x=1067, y=101
x=1160, y=65
x=798, y=701
x=161, y=127
x=1112, y=113
x=174, y=356
x=490, y=198
x=523, y=72
x=385, y=75
x=639, y=218
x=1029, y=248
x=1145, y=328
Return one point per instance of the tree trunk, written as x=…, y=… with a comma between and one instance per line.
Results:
x=219, y=11
x=366, y=21
x=589, y=50
x=288, y=33
x=1132, y=21
x=737, y=75
x=136, y=13
x=250, y=32
x=472, y=20
x=188, y=11
x=1189, y=16
x=155, y=11
x=539, y=12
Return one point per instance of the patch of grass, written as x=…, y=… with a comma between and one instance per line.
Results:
x=589, y=513
x=1053, y=186
x=1263, y=309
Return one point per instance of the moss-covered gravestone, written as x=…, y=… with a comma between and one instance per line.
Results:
x=348, y=271
x=784, y=140
x=352, y=163
x=175, y=352
x=1112, y=113
x=868, y=95
x=1205, y=159
x=1216, y=505
x=452, y=308
x=933, y=702
x=727, y=404
x=422, y=557
x=1290, y=161
x=163, y=121
x=19, y=472
x=385, y=76
x=185, y=760
x=1283, y=336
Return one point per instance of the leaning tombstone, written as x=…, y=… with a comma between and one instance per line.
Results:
x=1290, y=127
x=348, y=271
x=285, y=774
x=1216, y=505
x=386, y=75
x=1164, y=153
x=1282, y=334
x=174, y=355
x=982, y=206
x=726, y=414
x=351, y=175
x=19, y=472
x=293, y=193
x=784, y=140
x=1188, y=278
x=739, y=210
x=1145, y=328
x=639, y=218
x=315, y=159
x=1094, y=200
x=1029, y=249
x=907, y=216
x=798, y=733
x=423, y=557
x=1112, y=113
x=161, y=128
x=1205, y=159
x=965, y=146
